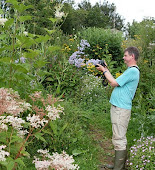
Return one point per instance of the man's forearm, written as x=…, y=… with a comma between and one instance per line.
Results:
x=112, y=81
x=108, y=75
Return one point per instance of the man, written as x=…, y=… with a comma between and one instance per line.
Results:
x=121, y=103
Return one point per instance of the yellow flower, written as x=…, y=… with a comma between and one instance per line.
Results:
x=83, y=64
x=71, y=39
x=118, y=74
x=145, y=61
x=90, y=66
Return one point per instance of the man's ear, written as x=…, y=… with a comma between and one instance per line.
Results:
x=133, y=56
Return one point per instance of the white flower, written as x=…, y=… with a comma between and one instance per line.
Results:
x=63, y=161
x=10, y=102
x=53, y=112
x=3, y=126
x=3, y=153
x=59, y=14
x=15, y=122
x=22, y=133
x=25, y=33
x=56, y=161
x=42, y=165
x=25, y=106
x=3, y=20
x=35, y=121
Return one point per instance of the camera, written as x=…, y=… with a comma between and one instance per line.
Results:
x=101, y=62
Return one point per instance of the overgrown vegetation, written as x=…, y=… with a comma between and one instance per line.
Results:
x=38, y=57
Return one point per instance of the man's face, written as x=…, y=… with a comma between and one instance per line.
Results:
x=127, y=58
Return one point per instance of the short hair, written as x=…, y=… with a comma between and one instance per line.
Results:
x=133, y=50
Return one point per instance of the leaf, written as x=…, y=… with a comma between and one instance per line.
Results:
x=39, y=137
x=15, y=138
x=10, y=165
x=3, y=137
x=21, y=7
x=49, y=79
x=5, y=60
x=22, y=76
x=24, y=18
x=20, y=68
x=50, y=31
x=2, y=36
x=2, y=49
x=54, y=48
x=9, y=23
x=14, y=2
x=47, y=132
x=32, y=53
x=54, y=127
x=76, y=152
x=53, y=19
x=25, y=153
x=42, y=39
x=63, y=128
x=40, y=63
x=74, y=140
x=25, y=42
x=58, y=89
x=20, y=161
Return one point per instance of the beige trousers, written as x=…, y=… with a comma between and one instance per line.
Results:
x=119, y=119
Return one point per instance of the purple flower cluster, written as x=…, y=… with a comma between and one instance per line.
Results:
x=93, y=61
x=142, y=154
x=22, y=60
x=83, y=45
x=76, y=59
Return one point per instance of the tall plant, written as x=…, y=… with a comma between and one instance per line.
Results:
x=24, y=55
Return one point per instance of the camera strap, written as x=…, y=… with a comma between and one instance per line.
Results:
x=136, y=67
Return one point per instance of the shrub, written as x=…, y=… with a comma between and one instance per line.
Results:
x=99, y=38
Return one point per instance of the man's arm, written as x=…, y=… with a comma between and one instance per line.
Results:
x=108, y=75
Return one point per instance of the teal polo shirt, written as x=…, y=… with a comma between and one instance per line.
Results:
x=123, y=94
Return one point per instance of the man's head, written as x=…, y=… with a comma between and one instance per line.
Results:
x=131, y=55
x=132, y=51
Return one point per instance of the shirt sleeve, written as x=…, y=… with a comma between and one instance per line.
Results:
x=128, y=76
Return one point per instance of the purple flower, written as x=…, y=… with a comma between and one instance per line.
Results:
x=17, y=61
x=84, y=43
x=93, y=61
x=22, y=59
x=73, y=57
x=79, y=62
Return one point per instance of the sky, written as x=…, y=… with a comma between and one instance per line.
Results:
x=130, y=9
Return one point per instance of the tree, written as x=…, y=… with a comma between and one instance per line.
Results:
x=102, y=15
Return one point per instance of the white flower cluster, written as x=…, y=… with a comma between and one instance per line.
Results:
x=53, y=112
x=56, y=161
x=35, y=121
x=11, y=103
x=3, y=20
x=15, y=122
x=25, y=33
x=59, y=14
x=3, y=153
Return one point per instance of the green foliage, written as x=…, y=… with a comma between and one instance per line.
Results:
x=41, y=12
x=62, y=78
x=99, y=39
x=86, y=15
x=29, y=61
x=70, y=133
x=92, y=91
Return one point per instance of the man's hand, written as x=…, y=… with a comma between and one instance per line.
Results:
x=101, y=68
